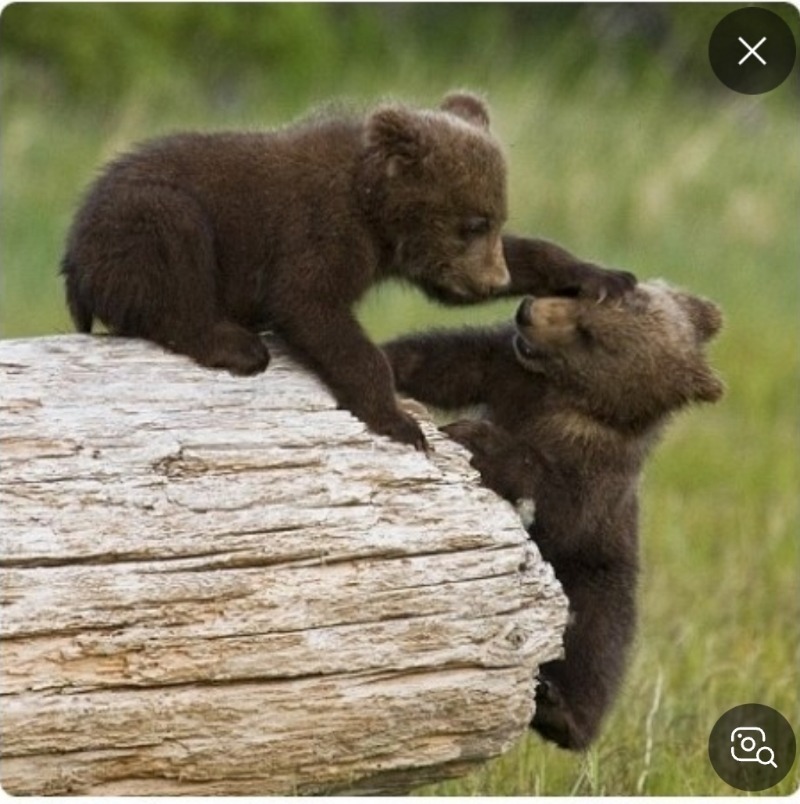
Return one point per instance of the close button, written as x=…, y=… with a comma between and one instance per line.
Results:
x=752, y=50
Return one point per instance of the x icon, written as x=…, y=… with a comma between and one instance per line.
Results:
x=751, y=51
x=755, y=32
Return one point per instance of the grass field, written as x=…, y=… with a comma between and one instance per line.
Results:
x=658, y=180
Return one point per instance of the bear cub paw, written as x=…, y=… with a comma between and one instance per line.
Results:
x=554, y=720
x=237, y=349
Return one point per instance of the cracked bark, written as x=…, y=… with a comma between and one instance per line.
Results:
x=217, y=585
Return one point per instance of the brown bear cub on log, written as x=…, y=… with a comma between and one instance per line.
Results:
x=575, y=398
x=195, y=241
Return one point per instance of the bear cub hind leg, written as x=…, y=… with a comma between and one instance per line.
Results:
x=142, y=260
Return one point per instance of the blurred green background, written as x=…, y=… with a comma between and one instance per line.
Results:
x=623, y=147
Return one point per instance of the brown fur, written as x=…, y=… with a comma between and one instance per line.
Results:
x=195, y=241
x=575, y=398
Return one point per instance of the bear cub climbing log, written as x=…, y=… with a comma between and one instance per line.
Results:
x=575, y=397
x=196, y=241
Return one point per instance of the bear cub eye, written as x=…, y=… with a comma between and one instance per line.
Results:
x=475, y=226
x=587, y=337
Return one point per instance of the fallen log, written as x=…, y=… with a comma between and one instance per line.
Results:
x=222, y=585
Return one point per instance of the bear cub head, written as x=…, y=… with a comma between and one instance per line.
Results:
x=627, y=362
x=434, y=182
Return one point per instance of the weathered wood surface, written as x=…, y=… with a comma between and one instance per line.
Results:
x=218, y=585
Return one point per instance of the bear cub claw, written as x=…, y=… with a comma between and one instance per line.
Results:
x=602, y=283
x=402, y=428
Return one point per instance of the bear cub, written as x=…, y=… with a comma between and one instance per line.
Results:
x=196, y=241
x=575, y=397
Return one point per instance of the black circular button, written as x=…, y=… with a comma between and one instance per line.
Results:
x=752, y=747
x=752, y=50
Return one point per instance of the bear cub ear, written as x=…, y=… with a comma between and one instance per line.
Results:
x=706, y=385
x=468, y=107
x=706, y=319
x=705, y=316
x=398, y=135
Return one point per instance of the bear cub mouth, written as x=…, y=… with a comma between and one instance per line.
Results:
x=524, y=349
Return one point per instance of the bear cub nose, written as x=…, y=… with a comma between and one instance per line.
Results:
x=524, y=316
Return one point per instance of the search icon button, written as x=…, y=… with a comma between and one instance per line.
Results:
x=752, y=747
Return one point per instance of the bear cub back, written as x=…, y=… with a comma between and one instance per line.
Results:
x=575, y=396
